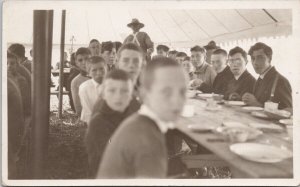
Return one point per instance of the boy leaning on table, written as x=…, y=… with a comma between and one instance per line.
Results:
x=138, y=147
x=271, y=85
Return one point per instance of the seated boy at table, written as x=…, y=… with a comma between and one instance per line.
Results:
x=224, y=74
x=90, y=90
x=271, y=85
x=116, y=104
x=81, y=57
x=138, y=147
x=242, y=81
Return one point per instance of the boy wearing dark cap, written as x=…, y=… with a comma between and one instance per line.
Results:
x=162, y=50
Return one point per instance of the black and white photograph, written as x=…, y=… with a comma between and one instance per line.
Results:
x=150, y=93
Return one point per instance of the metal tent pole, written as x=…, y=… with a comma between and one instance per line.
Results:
x=42, y=47
x=61, y=66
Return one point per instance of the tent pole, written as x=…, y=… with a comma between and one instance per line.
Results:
x=61, y=65
x=42, y=52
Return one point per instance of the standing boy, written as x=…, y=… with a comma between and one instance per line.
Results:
x=138, y=147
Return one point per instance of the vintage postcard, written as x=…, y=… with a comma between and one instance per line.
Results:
x=137, y=93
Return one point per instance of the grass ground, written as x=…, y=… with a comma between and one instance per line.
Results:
x=67, y=158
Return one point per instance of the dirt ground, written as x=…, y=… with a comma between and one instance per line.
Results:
x=67, y=158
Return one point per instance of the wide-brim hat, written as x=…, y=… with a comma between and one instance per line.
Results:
x=135, y=21
x=211, y=45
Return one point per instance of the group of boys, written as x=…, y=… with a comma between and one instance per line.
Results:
x=130, y=105
x=131, y=108
x=19, y=106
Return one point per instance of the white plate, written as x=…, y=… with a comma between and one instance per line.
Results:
x=260, y=152
x=260, y=114
x=286, y=121
x=235, y=103
x=270, y=126
x=252, y=108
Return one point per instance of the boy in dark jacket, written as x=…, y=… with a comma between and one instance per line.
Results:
x=116, y=104
x=138, y=147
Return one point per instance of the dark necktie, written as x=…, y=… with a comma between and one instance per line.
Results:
x=257, y=84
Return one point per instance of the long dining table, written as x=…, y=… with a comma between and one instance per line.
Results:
x=240, y=167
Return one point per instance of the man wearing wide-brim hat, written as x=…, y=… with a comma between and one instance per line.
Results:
x=140, y=38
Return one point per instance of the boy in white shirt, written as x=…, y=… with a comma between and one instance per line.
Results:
x=90, y=90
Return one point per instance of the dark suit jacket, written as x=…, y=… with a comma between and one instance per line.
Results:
x=103, y=123
x=283, y=90
x=244, y=84
x=221, y=81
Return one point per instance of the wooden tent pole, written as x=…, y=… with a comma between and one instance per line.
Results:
x=61, y=66
x=42, y=52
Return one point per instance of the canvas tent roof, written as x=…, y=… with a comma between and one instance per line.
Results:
x=174, y=27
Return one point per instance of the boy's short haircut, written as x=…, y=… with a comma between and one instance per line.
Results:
x=219, y=51
x=107, y=46
x=17, y=49
x=197, y=48
x=162, y=47
x=118, y=74
x=130, y=46
x=236, y=50
x=95, y=60
x=94, y=40
x=147, y=76
x=187, y=58
x=82, y=51
x=181, y=54
x=259, y=45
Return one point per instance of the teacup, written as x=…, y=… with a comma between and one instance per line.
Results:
x=271, y=106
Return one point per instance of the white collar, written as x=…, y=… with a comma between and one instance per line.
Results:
x=162, y=125
x=95, y=83
x=264, y=73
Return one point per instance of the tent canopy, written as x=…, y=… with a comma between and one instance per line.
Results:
x=180, y=27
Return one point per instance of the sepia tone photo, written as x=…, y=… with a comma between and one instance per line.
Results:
x=150, y=93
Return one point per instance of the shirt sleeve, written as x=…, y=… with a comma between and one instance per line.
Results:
x=85, y=104
x=96, y=139
x=75, y=96
x=283, y=94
